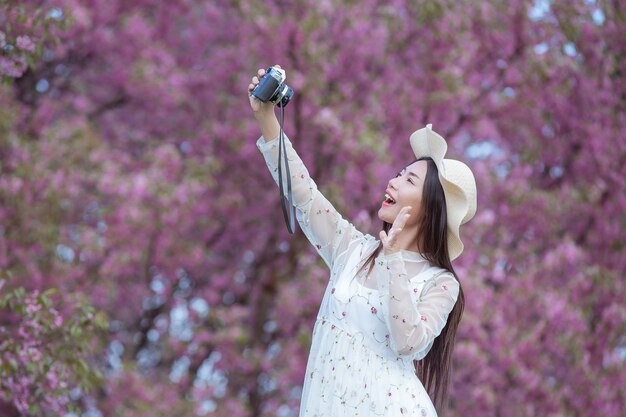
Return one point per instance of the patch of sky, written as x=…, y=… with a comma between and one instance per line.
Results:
x=76, y=393
x=482, y=149
x=114, y=354
x=153, y=335
x=502, y=170
x=185, y=147
x=148, y=358
x=266, y=383
x=570, y=49
x=539, y=10
x=92, y=412
x=184, y=281
x=285, y=411
x=541, y=48
x=179, y=369
x=152, y=302
x=184, y=284
x=270, y=326
x=556, y=171
x=509, y=92
x=158, y=284
x=56, y=13
x=273, y=350
x=161, y=323
x=102, y=226
x=200, y=306
x=597, y=15
x=208, y=376
x=248, y=257
x=206, y=407
x=295, y=392
x=65, y=253
x=180, y=326
x=617, y=355
x=42, y=86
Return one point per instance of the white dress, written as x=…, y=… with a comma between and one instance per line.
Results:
x=367, y=332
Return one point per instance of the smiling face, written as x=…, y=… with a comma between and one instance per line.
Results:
x=406, y=189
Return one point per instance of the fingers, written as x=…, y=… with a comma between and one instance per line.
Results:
x=402, y=218
x=255, y=80
x=389, y=240
x=259, y=74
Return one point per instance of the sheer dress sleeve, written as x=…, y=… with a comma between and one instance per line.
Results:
x=320, y=222
x=416, y=309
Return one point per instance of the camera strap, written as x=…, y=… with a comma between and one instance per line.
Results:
x=290, y=213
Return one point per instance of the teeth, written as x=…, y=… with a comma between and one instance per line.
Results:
x=388, y=197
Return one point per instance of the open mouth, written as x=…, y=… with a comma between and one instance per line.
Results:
x=389, y=200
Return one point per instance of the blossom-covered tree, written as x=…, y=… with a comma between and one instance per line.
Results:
x=128, y=176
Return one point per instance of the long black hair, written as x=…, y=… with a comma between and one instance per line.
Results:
x=432, y=242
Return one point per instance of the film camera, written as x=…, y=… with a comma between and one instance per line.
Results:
x=272, y=88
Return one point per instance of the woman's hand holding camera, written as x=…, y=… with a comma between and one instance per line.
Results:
x=263, y=112
x=259, y=107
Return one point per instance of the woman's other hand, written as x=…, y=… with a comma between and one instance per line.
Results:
x=390, y=241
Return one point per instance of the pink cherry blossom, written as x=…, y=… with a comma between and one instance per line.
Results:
x=130, y=179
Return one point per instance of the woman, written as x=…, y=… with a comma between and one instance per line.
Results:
x=385, y=330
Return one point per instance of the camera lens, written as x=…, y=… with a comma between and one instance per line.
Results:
x=285, y=96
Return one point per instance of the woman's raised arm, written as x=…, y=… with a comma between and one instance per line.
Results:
x=323, y=226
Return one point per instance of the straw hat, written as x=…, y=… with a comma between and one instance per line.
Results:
x=457, y=180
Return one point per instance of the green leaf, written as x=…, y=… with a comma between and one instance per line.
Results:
x=50, y=292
